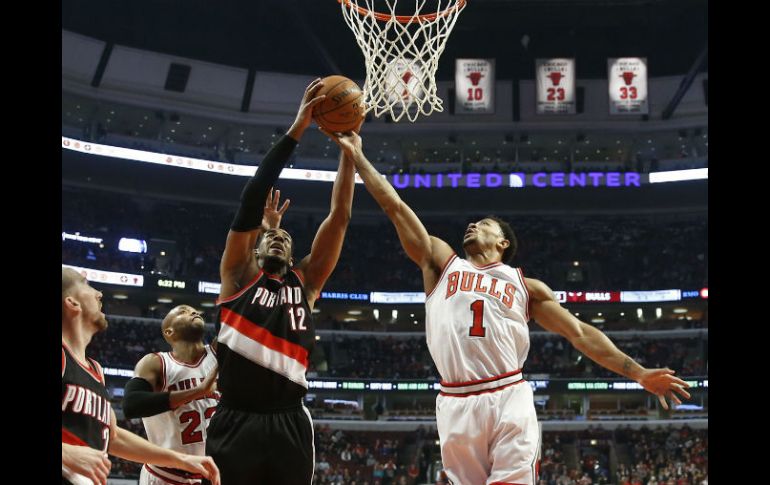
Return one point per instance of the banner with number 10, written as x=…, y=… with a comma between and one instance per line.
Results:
x=475, y=86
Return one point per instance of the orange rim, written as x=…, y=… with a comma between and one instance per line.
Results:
x=405, y=19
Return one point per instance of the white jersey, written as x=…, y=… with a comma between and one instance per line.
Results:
x=476, y=323
x=182, y=429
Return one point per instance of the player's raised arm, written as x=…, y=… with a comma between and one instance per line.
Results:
x=428, y=252
x=327, y=244
x=238, y=264
x=589, y=340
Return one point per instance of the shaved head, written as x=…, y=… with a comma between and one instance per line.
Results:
x=184, y=323
x=69, y=277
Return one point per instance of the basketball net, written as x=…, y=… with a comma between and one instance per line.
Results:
x=401, y=53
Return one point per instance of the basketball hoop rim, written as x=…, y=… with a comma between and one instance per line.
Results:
x=405, y=19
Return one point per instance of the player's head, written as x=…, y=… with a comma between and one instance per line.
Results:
x=79, y=299
x=274, y=251
x=491, y=234
x=183, y=323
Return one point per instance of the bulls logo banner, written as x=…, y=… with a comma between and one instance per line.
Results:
x=405, y=82
x=628, y=85
x=555, y=86
x=475, y=86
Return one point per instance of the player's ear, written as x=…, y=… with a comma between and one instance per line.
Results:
x=504, y=243
x=72, y=303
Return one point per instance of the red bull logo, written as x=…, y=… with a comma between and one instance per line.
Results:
x=628, y=77
x=406, y=77
x=555, y=77
x=475, y=77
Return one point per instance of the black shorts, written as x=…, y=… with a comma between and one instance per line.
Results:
x=262, y=449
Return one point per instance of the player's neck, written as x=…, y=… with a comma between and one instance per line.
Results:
x=482, y=258
x=188, y=352
x=273, y=267
x=76, y=338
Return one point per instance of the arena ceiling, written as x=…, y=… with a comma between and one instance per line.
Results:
x=310, y=36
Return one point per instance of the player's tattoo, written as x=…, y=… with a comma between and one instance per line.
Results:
x=627, y=365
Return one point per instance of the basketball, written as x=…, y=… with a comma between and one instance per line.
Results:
x=343, y=108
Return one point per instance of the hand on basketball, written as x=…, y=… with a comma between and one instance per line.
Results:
x=91, y=463
x=271, y=219
x=350, y=142
x=200, y=464
x=305, y=112
x=664, y=384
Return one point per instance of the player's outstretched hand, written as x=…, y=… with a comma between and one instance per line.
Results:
x=305, y=112
x=90, y=463
x=350, y=141
x=200, y=464
x=272, y=215
x=664, y=384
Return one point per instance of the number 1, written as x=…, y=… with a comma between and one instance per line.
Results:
x=478, y=330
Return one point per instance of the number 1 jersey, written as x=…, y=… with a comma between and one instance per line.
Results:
x=476, y=321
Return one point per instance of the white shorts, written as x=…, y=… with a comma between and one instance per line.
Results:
x=491, y=437
x=146, y=477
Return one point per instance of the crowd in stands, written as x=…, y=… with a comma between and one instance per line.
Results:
x=556, y=356
x=372, y=457
x=664, y=456
x=659, y=456
x=655, y=456
x=378, y=357
x=509, y=159
x=554, y=469
x=127, y=340
x=615, y=252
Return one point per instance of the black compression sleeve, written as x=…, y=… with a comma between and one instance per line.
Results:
x=249, y=215
x=140, y=401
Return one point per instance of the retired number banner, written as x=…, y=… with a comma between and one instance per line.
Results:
x=628, y=85
x=555, y=86
x=475, y=86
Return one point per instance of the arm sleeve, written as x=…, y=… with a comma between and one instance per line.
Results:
x=249, y=215
x=140, y=401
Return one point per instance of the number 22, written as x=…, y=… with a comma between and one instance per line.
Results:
x=191, y=434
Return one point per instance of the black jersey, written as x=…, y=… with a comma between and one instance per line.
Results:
x=265, y=336
x=85, y=404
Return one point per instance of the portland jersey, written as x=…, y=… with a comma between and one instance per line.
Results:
x=182, y=429
x=264, y=339
x=85, y=407
x=85, y=404
x=476, y=321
